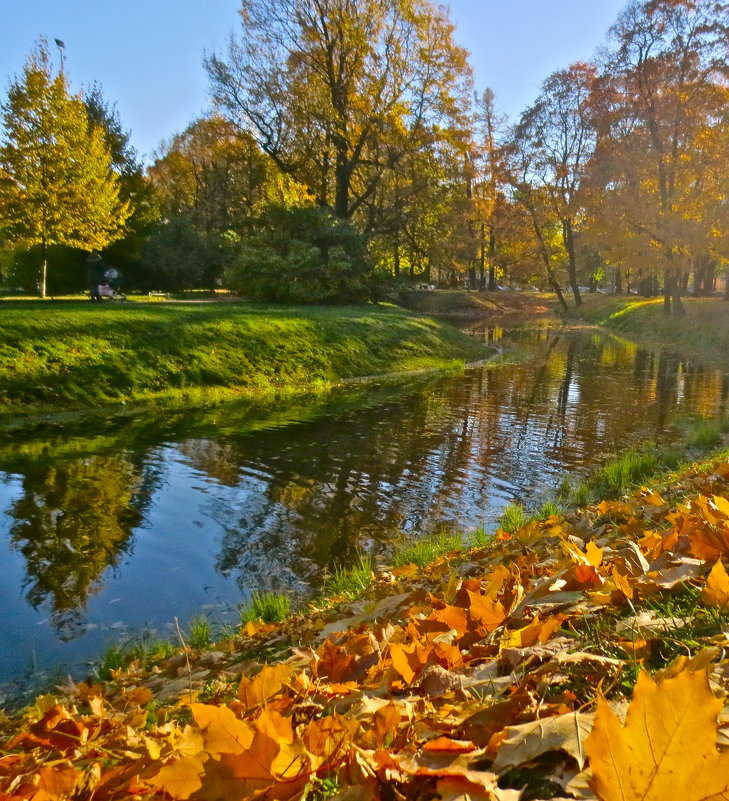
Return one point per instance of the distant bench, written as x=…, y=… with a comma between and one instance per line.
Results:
x=159, y=294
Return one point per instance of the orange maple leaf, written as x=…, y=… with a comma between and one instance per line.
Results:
x=667, y=748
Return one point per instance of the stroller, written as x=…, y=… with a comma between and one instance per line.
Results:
x=111, y=288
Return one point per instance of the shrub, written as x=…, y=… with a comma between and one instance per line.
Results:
x=302, y=255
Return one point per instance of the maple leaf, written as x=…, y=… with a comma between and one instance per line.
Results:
x=222, y=732
x=716, y=591
x=180, y=778
x=270, y=681
x=667, y=748
x=57, y=782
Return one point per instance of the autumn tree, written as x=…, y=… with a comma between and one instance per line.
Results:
x=336, y=92
x=57, y=184
x=558, y=131
x=134, y=185
x=540, y=226
x=489, y=195
x=657, y=176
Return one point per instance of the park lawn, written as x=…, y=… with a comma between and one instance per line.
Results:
x=703, y=332
x=76, y=355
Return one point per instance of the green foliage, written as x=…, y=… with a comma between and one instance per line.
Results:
x=112, y=659
x=302, y=255
x=423, y=552
x=480, y=538
x=179, y=255
x=56, y=182
x=199, y=632
x=270, y=607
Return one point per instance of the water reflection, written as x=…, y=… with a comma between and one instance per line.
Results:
x=160, y=517
x=73, y=521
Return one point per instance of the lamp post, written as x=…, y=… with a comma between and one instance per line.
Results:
x=61, y=47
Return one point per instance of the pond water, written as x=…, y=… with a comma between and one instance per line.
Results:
x=113, y=527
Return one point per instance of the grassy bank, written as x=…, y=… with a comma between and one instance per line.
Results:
x=465, y=304
x=703, y=332
x=81, y=355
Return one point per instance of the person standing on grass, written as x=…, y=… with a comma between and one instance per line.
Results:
x=95, y=275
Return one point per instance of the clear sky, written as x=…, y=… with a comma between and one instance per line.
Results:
x=147, y=54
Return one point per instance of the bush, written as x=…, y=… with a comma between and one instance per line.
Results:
x=302, y=255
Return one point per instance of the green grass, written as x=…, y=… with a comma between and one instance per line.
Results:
x=270, y=607
x=621, y=474
x=513, y=518
x=350, y=583
x=423, y=552
x=78, y=355
x=199, y=632
x=703, y=332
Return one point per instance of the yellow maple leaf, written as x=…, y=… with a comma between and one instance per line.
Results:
x=180, y=778
x=222, y=732
x=270, y=681
x=667, y=748
x=716, y=591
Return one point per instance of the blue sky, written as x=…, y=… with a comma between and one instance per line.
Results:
x=147, y=54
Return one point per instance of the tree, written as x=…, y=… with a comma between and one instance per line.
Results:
x=57, y=185
x=558, y=131
x=336, y=92
x=303, y=255
x=658, y=176
x=489, y=187
x=134, y=186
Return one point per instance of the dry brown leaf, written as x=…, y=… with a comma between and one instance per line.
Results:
x=561, y=733
x=57, y=782
x=667, y=748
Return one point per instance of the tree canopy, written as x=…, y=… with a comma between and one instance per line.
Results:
x=57, y=184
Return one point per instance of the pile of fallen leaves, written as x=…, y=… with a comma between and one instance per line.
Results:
x=583, y=657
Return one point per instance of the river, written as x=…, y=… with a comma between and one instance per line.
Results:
x=113, y=526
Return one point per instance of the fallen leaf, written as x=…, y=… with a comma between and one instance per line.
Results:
x=716, y=591
x=222, y=732
x=270, y=681
x=180, y=778
x=667, y=748
x=523, y=743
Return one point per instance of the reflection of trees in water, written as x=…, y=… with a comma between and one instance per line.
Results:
x=298, y=498
x=73, y=522
x=311, y=496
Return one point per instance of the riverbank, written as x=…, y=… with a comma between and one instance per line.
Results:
x=507, y=306
x=703, y=332
x=483, y=673
x=77, y=355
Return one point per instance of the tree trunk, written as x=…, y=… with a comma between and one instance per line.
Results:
x=667, y=291
x=44, y=270
x=678, y=307
x=569, y=243
x=342, y=177
x=492, y=259
x=618, y=281
x=482, y=260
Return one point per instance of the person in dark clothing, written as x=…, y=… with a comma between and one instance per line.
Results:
x=95, y=275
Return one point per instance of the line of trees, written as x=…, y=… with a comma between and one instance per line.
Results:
x=346, y=147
